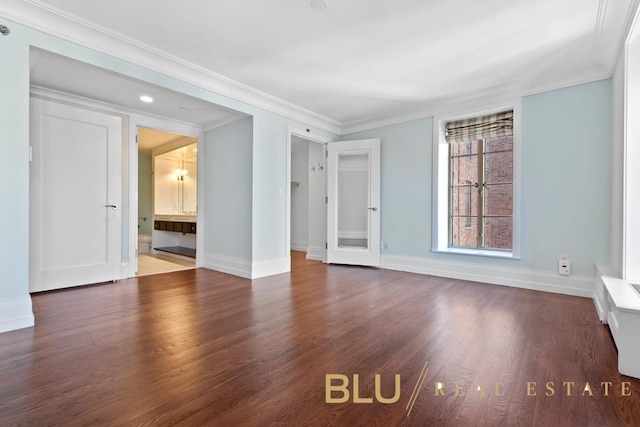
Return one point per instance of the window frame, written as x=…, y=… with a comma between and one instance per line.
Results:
x=441, y=229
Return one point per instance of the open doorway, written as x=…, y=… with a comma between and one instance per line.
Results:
x=167, y=201
x=307, y=207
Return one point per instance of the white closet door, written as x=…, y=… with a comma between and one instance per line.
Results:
x=353, y=205
x=75, y=196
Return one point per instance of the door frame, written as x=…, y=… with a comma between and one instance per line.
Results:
x=166, y=125
x=313, y=137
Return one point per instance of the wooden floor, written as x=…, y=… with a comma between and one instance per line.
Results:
x=199, y=347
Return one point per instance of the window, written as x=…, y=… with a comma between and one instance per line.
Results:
x=467, y=204
x=475, y=203
x=481, y=192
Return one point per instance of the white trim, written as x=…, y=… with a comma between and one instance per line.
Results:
x=270, y=267
x=56, y=22
x=478, y=252
x=537, y=280
x=16, y=313
x=244, y=268
x=440, y=179
x=299, y=246
x=226, y=264
x=315, y=253
x=124, y=269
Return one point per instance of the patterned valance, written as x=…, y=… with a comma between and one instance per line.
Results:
x=475, y=128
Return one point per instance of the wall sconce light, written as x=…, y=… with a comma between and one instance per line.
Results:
x=180, y=173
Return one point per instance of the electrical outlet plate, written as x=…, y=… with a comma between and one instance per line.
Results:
x=564, y=266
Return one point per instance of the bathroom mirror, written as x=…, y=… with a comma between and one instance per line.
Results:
x=175, y=181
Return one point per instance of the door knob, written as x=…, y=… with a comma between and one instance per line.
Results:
x=373, y=209
x=114, y=207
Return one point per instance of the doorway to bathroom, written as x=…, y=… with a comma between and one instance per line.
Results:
x=167, y=201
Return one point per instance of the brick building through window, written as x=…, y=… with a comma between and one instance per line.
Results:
x=481, y=193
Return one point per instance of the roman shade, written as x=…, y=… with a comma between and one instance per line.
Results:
x=475, y=128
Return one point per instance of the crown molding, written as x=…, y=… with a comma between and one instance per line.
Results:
x=475, y=100
x=53, y=21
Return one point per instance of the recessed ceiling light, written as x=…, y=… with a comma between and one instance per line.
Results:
x=319, y=5
x=146, y=98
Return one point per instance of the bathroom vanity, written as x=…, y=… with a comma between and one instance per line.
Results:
x=175, y=235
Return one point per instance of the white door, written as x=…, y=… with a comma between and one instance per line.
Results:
x=75, y=195
x=353, y=205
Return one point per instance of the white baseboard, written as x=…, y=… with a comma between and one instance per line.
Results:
x=245, y=268
x=125, y=273
x=538, y=280
x=315, y=253
x=299, y=246
x=226, y=264
x=271, y=267
x=16, y=313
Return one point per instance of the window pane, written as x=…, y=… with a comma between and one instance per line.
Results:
x=498, y=233
x=464, y=232
x=464, y=201
x=353, y=200
x=464, y=169
x=500, y=143
x=498, y=167
x=498, y=199
x=462, y=148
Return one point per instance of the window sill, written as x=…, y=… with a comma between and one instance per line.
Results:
x=477, y=252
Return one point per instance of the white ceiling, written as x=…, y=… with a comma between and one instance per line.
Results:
x=148, y=139
x=77, y=78
x=369, y=59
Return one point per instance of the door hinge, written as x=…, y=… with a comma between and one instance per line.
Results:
x=326, y=153
x=136, y=139
x=31, y=153
x=326, y=245
x=326, y=199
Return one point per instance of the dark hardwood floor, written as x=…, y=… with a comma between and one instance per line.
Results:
x=198, y=347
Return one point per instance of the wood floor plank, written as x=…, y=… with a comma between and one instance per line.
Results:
x=199, y=347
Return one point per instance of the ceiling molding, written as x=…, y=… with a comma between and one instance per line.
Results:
x=47, y=19
x=489, y=96
x=627, y=27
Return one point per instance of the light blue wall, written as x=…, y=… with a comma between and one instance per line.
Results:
x=566, y=154
x=566, y=178
x=14, y=175
x=269, y=184
x=228, y=175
